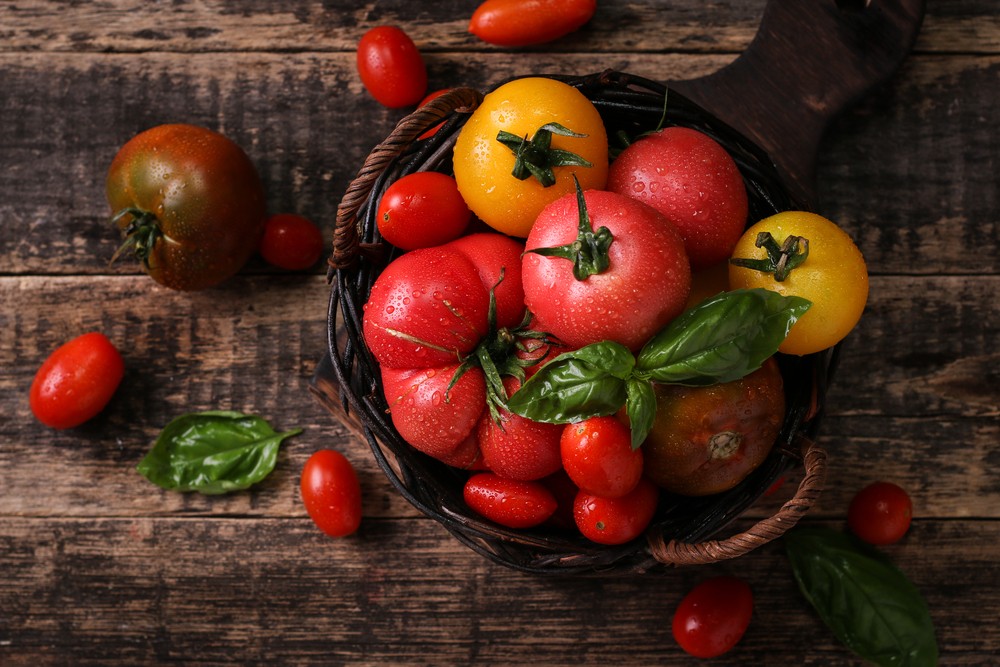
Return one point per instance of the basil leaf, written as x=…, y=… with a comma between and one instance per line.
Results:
x=868, y=603
x=576, y=385
x=723, y=339
x=641, y=409
x=213, y=452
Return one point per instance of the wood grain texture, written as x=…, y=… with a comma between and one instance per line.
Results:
x=97, y=566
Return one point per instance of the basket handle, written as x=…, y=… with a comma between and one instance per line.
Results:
x=346, y=242
x=764, y=531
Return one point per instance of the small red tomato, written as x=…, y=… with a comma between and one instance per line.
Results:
x=713, y=616
x=422, y=210
x=691, y=179
x=391, y=67
x=616, y=520
x=331, y=493
x=291, y=242
x=526, y=22
x=880, y=513
x=509, y=502
x=430, y=132
x=597, y=455
x=77, y=380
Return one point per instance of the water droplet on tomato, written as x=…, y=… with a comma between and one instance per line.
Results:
x=389, y=310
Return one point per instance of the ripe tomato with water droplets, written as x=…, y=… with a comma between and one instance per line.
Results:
x=331, y=493
x=511, y=503
x=76, y=381
x=616, y=520
x=391, y=67
x=713, y=616
x=597, y=455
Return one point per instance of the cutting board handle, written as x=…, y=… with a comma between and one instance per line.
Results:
x=810, y=60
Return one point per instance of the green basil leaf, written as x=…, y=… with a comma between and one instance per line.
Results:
x=865, y=600
x=641, y=409
x=213, y=452
x=723, y=339
x=576, y=385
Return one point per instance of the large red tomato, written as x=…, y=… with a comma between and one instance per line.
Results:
x=691, y=179
x=616, y=271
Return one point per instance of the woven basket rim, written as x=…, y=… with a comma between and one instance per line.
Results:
x=435, y=489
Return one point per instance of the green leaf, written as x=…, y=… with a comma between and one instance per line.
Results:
x=577, y=385
x=213, y=452
x=641, y=409
x=723, y=339
x=867, y=602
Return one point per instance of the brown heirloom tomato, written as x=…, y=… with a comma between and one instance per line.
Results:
x=706, y=440
x=189, y=203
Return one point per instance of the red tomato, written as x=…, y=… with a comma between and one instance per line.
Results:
x=430, y=132
x=518, y=448
x=508, y=502
x=713, y=616
x=421, y=210
x=76, y=381
x=391, y=67
x=598, y=456
x=331, y=493
x=616, y=520
x=526, y=22
x=291, y=242
x=880, y=513
x=691, y=179
x=644, y=285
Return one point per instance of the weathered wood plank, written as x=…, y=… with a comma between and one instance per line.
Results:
x=306, y=25
x=399, y=592
x=68, y=114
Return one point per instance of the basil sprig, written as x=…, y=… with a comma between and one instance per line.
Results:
x=724, y=338
x=866, y=601
x=213, y=452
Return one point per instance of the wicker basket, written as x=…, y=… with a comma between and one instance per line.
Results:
x=682, y=530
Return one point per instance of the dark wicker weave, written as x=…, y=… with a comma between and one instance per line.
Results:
x=681, y=532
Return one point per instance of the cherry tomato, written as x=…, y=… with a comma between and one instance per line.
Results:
x=189, y=203
x=691, y=179
x=643, y=285
x=832, y=275
x=76, y=381
x=713, y=616
x=496, y=184
x=597, y=455
x=616, y=520
x=331, y=493
x=421, y=210
x=880, y=513
x=706, y=440
x=527, y=22
x=391, y=67
x=509, y=502
x=291, y=242
x=430, y=132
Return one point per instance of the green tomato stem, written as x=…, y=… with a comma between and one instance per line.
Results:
x=780, y=259
x=141, y=234
x=536, y=157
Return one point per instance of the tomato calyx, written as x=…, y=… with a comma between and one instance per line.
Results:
x=141, y=234
x=536, y=157
x=589, y=252
x=780, y=259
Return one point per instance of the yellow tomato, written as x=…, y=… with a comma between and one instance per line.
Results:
x=485, y=166
x=833, y=276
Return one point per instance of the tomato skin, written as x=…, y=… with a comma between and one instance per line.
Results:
x=645, y=286
x=597, y=455
x=391, y=67
x=76, y=381
x=291, y=242
x=706, y=440
x=528, y=22
x=518, y=448
x=483, y=165
x=422, y=210
x=511, y=503
x=616, y=520
x=331, y=493
x=691, y=179
x=197, y=188
x=431, y=131
x=833, y=277
x=880, y=513
x=713, y=616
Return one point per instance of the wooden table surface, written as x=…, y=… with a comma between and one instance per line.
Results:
x=98, y=566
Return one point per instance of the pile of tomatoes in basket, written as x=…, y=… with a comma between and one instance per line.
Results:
x=583, y=332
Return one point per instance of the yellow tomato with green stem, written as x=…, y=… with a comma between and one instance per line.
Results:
x=798, y=253
x=521, y=148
